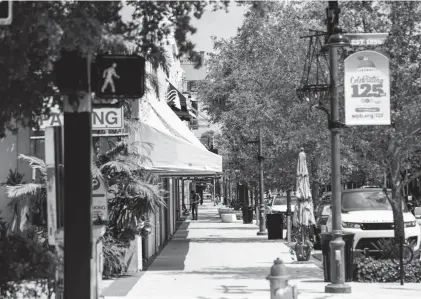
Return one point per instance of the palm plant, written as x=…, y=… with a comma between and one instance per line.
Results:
x=133, y=193
x=33, y=195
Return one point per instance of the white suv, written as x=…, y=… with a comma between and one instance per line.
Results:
x=368, y=214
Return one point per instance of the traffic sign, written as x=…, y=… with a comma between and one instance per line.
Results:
x=99, y=200
x=119, y=76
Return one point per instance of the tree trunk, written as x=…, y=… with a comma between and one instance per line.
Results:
x=396, y=200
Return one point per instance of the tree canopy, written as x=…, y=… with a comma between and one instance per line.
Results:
x=252, y=80
x=42, y=29
x=251, y=83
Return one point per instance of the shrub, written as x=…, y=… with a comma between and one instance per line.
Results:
x=114, y=252
x=368, y=269
x=27, y=267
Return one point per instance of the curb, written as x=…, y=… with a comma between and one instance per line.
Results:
x=312, y=259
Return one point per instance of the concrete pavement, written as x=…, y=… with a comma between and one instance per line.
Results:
x=208, y=259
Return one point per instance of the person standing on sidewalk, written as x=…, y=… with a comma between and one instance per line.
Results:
x=194, y=200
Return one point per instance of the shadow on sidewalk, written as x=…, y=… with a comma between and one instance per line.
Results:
x=209, y=219
x=249, y=227
x=172, y=257
x=236, y=240
x=123, y=285
x=258, y=273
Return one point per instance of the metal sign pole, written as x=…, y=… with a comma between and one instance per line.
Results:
x=78, y=195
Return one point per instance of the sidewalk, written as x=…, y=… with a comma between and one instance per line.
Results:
x=208, y=259
x=211, y=259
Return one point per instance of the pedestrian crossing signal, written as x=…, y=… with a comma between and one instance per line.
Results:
x=6, y=12
x=119, y=76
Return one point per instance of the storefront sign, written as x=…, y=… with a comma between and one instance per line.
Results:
x=102, y=119
x=367, y=39
x=367, y=89
x=99, y=200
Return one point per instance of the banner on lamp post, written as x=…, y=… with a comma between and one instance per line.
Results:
x=367, y=89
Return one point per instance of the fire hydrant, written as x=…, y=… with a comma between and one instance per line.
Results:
x=279, y=287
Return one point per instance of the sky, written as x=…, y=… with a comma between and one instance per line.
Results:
x=220, y=24
x=217, y=23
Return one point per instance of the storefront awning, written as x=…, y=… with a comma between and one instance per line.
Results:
x=170, y=145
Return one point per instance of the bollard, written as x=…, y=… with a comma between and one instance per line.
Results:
x=279, y=287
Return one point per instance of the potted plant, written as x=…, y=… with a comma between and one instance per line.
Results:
x=303, y=250
x=303, y=246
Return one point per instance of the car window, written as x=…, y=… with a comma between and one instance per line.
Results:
x=367, y=200
x=282, y=200
x=326, y=210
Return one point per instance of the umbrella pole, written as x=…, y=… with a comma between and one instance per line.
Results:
x=303, y=234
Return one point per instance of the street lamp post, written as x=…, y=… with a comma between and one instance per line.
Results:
x=289, y=222
x=262, y=223
x=337, y=245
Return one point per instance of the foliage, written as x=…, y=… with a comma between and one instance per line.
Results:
x=369, y=269
x=42, y=29
x=208, y=138
x=114, y=257
x=298, y=231
x=391, y=150
x=13, y=178
x=133, y=193
x=251, y=83
x=28, y=266
x=33, y=194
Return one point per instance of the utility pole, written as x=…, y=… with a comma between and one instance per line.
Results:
x=262, y=221
x=78, y=194
x=337, y=245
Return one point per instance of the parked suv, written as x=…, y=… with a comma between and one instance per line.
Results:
x=417, y=212
x=367, y=213
x=279, y=204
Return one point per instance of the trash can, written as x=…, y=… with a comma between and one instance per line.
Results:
x=349, y=255
x=275, y=226
x=247, y=215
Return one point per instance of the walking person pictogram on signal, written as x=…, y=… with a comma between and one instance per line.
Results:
x=108, y=74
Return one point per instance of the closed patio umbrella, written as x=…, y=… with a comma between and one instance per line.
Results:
x=304, y=212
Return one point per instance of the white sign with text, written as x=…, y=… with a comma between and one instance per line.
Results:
x=99, y=200
x=367, y=89
x=102, y=119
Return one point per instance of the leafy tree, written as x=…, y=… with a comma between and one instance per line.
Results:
x=251, y=83
x=41, y=30
x=207, y=138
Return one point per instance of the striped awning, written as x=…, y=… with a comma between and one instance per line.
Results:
x=178, y=102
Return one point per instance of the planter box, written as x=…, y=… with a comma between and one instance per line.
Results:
x=229, y=218
x=226, y=212
x=133, y=256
